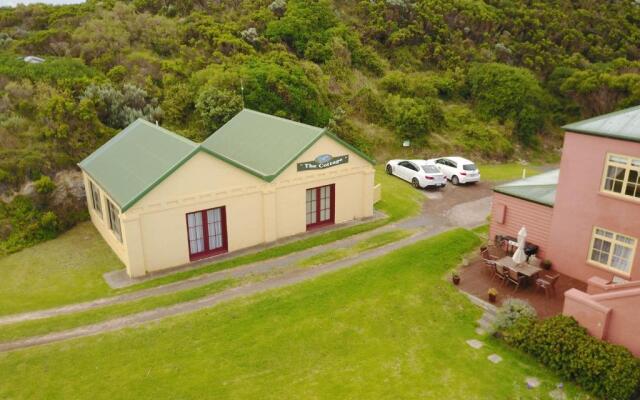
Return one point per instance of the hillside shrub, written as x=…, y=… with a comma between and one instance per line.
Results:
x=217, y=106
x=608, y=371
x=23, y=224
x=511, y=311
x=509, y=93
x=413, y=118
x=44, y=185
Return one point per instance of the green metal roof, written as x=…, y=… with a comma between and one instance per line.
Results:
x=623, y=124
x=135, y=160
x=142, y=155
x=539, y=189
x=261, y=144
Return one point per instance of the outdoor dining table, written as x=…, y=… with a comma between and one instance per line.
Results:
x=525, y=269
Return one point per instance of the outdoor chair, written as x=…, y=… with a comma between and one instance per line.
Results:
x=548, y=284
x=490, y=266
x=486, y=254
x=515, y=278
x=501, y=273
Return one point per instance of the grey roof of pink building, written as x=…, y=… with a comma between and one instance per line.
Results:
x=622, y=124
x=539, y=189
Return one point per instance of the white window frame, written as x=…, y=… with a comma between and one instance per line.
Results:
x=96, y=198
x=631, y=164
x=614, y=240
x=114, y=220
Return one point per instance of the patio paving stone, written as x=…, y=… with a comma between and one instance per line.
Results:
x=476, y=344
x=532, y=382
x=494, y=358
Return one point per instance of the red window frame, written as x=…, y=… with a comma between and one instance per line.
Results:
x=318, y=208
x=207, y=252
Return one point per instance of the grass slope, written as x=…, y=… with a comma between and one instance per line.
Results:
x=364, y=245
x=64, y=270
x=506, y=172
x=69, y=269
x=389, y=328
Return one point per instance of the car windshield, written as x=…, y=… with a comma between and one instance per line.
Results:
x=469, y=167
x=430, y=169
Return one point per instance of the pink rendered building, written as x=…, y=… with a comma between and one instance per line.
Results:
x=585, y=218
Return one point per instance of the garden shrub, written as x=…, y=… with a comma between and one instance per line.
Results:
x=608, y=371
x=44, y=185
x=512, y=311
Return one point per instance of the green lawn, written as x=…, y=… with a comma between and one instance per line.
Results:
x=64, y=270
x=364, y=245
x=69, y=269
x=506, y=172
x=392, y=327
x=68, y=321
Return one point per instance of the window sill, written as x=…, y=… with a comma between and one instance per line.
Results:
x=319, y=225
x=609, y=269
x=209, y=254
x=621, y=197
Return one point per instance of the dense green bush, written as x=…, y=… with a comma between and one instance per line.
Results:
x=608, y=371
x=53, y=69
x=217, y=106
x=509, y=93
x=413, y=118
x=44, y=185
x=23, y=224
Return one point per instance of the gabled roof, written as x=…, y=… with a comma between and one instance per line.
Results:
x=135, y=160
x=623, y=124
x=539, y=189
x=142, y=155
x=261, y=144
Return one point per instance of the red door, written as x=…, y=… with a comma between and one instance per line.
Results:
x=207, y=232
x=320, y=206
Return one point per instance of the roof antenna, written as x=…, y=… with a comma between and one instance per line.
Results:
x=242, y=92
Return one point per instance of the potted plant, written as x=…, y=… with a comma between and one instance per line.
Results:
x=546, y=264
x=493, y=294
x=455, y=278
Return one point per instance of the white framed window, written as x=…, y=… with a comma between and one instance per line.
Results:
x=611, y=250
x=622, y=176
x=96, y=198
x=114, y=220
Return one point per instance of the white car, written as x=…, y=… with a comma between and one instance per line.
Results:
x=420, y=173
x=457, y=169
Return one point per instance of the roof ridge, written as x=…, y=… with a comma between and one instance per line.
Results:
x=599, y=117
x=116, y=138
x=167, y=131
x=280, y=119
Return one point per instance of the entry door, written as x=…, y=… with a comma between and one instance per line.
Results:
x=320, y=206
x=207, y=231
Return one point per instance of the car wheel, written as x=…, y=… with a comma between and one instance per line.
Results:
x=415, y=183
x=455, y=180
x=389, y=170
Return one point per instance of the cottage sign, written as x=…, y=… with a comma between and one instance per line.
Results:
x=323, y=161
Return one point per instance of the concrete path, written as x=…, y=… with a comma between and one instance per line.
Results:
x=285, y=279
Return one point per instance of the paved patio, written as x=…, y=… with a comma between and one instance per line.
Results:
x=476, y=280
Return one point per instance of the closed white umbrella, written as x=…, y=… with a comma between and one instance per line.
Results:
x=519, y=257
